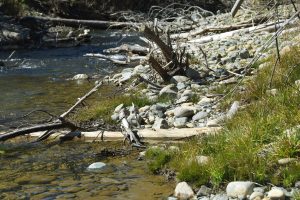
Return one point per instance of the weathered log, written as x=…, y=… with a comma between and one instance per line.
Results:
x=118, y=59
x=126, y=48
x=89, y=23
x=144, y=134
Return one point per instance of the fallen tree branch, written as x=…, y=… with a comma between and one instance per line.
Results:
x=126, y=48
x=76, y=23
x=118, y=59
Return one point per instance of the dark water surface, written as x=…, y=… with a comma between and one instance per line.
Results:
x=40, y=81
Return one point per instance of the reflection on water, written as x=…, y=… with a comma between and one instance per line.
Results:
x=45, y=171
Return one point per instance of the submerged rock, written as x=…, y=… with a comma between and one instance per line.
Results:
x=96, y=165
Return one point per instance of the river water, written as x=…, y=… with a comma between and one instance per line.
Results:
x=58, y=171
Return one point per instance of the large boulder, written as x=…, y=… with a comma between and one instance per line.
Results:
x=239, y=189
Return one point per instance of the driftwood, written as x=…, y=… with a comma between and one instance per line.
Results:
x=222, y=29
x=126, y=48
x=76, y=23
x=118, y=59
x=61, y=122
x=143, y=134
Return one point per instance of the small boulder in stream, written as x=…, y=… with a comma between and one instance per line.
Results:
x=96, y=166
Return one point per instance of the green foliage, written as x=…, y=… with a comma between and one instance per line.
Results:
x=251, y=143
x=158, y=158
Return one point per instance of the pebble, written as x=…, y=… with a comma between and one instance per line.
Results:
x=203, y=160
x=80, y=77
x=199, y=115
x=179, y=79
x=204, y=191
x=160, y=123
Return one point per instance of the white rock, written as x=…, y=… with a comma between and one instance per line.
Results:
x=80, y=77
x=239, y=189
x=118, y=108
x=256, y=196
x=285, y=161
x=188, y=93
x=183, y=191
x=96, y=165
x=276, y=194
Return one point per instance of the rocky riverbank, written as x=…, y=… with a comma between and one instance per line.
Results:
x=224, y=70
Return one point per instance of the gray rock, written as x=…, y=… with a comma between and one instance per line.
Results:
x=276, y=194
x=256, y=196
x=179, y=79
x=80, y=77
x=244, y=54
x=192, y=74
x=172, y=198
x=160, y=123
x=183, y=112
x=205, y=101
x=141, y=69
x=180, y=122
x=96, y=165
x=204, y=191
x=239, y=189
x=144, y=109
x=183, y=191
x=199, y=115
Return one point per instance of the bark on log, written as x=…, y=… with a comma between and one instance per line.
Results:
x=166, y=50
x=126, y=48
x=158, y=68
x=89, y=23
x=236, y=7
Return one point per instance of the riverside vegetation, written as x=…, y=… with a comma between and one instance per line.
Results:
x=260, y=143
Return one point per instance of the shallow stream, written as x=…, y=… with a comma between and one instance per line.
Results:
x=58, y=171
